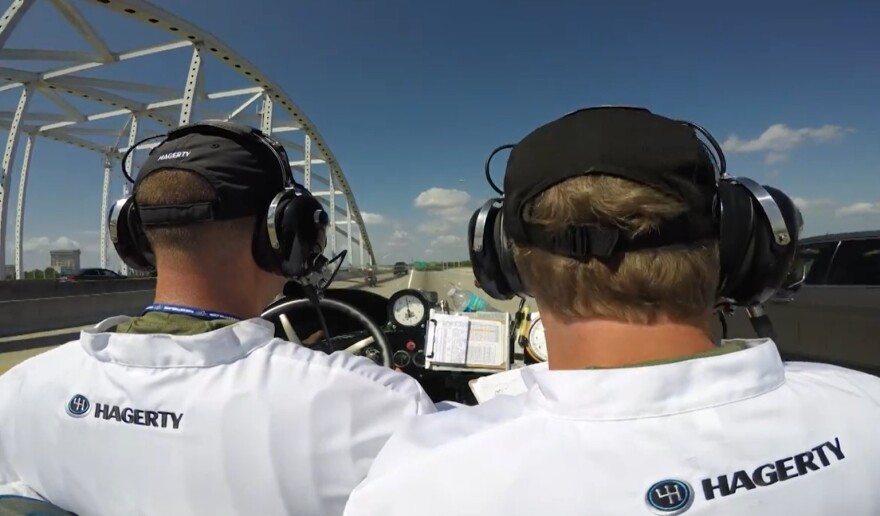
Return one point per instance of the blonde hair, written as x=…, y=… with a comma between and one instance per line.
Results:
x=172, y=186
x=675, y=284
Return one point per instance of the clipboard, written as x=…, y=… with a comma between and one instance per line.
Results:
x=470, y=342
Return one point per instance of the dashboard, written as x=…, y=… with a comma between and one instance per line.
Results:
x=402, y=318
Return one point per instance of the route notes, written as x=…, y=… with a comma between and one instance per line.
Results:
x=477, y=341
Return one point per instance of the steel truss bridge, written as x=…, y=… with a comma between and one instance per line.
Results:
x=105, y=100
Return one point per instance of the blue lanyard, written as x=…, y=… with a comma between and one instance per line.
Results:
x=193, y=312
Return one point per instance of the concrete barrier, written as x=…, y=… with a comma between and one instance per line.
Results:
x=29, y=306
x=37, y=289
x=22, y=316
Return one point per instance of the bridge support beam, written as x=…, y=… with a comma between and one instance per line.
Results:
x=332, y=216
x=6, y=168
x=105, y=194
x=19, y=213
x=307, y=165
x=126, y=189
x=348, y=231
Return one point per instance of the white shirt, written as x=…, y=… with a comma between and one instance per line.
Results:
x=732, y=434
x=229, y=422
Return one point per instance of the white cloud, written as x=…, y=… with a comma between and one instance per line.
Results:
x=773, y=174
x=442, y=198
x=398, y=238
x=35, y=244
x=806, y=204
x=432, y=228
x=458, y=214
x=448, y=210
x=775, y=157
x=779, y=139
x=859, y=208
x=447, y=240
x=64, y=243
x=44, y=244
x=372, y=218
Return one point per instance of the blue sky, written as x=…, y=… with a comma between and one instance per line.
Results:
x=412, y=96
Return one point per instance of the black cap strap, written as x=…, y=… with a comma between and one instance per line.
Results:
x=176, y=214
x=594, y=240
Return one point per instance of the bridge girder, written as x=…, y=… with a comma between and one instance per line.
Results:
x=124, y=115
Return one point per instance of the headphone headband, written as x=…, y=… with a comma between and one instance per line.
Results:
x=289, y=237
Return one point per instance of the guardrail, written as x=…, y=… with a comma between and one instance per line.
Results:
x=29, y=306
x=38, y=289
x=23, y=316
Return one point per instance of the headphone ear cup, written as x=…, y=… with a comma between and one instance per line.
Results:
x=128, y=237
x=484, y=261
x=261, y=248
x=753, y=264
x=772, y=261
x=302, y=232
x=504, y=249
x=736, y=243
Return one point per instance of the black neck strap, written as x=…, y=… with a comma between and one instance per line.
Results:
x=176, y=214
x=592, y=240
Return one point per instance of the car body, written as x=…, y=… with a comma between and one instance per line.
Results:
x=92, y=274
x=833, y=315
x=401, y=268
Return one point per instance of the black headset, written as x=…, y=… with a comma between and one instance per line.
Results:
x=758, y=228
x=289, y=238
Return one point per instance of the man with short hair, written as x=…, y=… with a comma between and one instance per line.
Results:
x=638, y=411
x=195, y=407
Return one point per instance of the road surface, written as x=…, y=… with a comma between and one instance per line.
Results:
x=387, y=284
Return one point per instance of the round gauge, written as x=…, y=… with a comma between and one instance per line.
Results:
x=408, y=308
x=400, y=358
x=419, y=358
x=537, y=344
x=374, y=354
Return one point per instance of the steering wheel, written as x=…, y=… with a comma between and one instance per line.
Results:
x=373, y=334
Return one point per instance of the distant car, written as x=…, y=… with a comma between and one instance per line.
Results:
x=401, y=268
x=94, y=274
x=831, y=311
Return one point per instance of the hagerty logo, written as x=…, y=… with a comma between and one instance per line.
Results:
x=173, y=155
x=79, y=406
x=781, y=470
x=670, y=497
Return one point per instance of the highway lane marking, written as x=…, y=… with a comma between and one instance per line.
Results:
x=46, y=333
x=70, y=297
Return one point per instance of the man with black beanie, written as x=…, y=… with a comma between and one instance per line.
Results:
x=195, y=407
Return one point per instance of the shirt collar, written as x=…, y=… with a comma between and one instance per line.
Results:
x=657, y=390
x=158, y=350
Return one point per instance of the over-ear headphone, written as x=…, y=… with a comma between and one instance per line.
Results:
x=758, y=229
x=289, y=237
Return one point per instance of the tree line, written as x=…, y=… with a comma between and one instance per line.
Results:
x=47, y=273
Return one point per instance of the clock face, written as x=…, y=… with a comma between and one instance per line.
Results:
x=408, y=310
x=537, y=345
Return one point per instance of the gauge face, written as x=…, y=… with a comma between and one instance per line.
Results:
x=400, y=358
x=537, y=345
x=408, y=310
x=374, y=354
x=419, y=358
